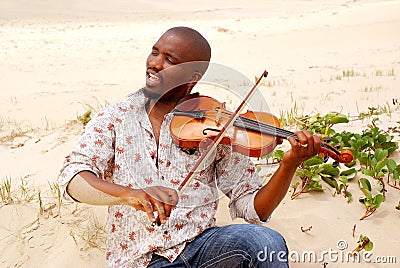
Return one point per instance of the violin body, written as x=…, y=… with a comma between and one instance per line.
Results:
x=199, y=119
x=191, y=132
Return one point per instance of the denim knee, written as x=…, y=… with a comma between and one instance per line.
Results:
x=271, y=247
x=266, y=246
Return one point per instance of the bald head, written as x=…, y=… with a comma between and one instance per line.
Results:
x=198, y=46
x=178, y=60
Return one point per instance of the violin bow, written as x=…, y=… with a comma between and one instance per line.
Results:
x=229, y=123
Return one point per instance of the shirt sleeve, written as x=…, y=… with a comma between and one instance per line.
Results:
x=238, y=179
x=94, y=151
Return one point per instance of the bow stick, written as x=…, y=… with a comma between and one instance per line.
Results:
x=207, y=153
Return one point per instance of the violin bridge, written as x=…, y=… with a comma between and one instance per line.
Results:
x=218, y=116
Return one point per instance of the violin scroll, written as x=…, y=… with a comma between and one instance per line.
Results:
x=346, y=156
x=327, y=151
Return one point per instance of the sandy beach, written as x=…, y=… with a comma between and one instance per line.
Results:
x=58, y=59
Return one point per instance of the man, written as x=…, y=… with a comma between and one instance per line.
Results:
x=147, y=168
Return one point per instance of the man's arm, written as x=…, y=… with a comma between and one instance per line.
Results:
x=270, y=195
x=88, y=188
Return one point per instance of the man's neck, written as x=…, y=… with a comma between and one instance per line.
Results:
x=159, y=108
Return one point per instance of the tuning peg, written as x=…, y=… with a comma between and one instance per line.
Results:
x=326, y=139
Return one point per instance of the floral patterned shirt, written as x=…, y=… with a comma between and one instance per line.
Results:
x=121, y=135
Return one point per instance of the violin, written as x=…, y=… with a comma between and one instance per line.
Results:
x=203, y=121
x=198, y=119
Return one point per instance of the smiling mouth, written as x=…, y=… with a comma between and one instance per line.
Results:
x=152, y=79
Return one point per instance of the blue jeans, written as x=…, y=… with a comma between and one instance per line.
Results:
x=237, y=245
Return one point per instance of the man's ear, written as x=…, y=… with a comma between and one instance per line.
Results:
x=195, y=78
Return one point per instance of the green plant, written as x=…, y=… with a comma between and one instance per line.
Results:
x=362, y=145
x=314, y=170
x=275, y=156
x=25, y=192
x=344, y=178
x=55, y=189
x=41, y=206
x=350, y=73
x=372, y=151
x=318, y=124
x=371, y=202
x=393, y=173
x=5, y=192
x=85, y=118
x=290, y=117
x=363, y=243
x=311, y=173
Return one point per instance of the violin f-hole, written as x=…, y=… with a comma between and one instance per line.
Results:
x=210, y=129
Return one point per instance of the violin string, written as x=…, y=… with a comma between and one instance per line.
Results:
x=263, y=128
x=267, y=129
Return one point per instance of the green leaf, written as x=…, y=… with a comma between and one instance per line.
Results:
x=314, y=186
x=396, y=174
x=362, y=142
x=380, y=154
x=308, y=173
x=364, y=184
x=315, y=160
x=349, y=173
x=368, y=172
x=380, y=174
x=369, y=246
x=383, y=138
x=316, y=178
x=300, y=173
x=390, y=146
x=377, y=200
x=352, y=163
x=329, y=170
x=374, y=161
x=275, y=154
x=349, y=197
x=363, y=158
x=391, y=164
x=344, y=180
x=365, y=187
x=331, y=182
x=378, y=167
x=339, y=118
x=341, y=187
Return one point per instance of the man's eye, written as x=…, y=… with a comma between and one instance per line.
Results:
x=170, y=60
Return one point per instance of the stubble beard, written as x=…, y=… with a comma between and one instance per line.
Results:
x=151, y=95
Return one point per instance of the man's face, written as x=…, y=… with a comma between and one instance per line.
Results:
x=165, y=72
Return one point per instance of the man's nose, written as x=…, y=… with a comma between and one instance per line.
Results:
x=156, y=62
